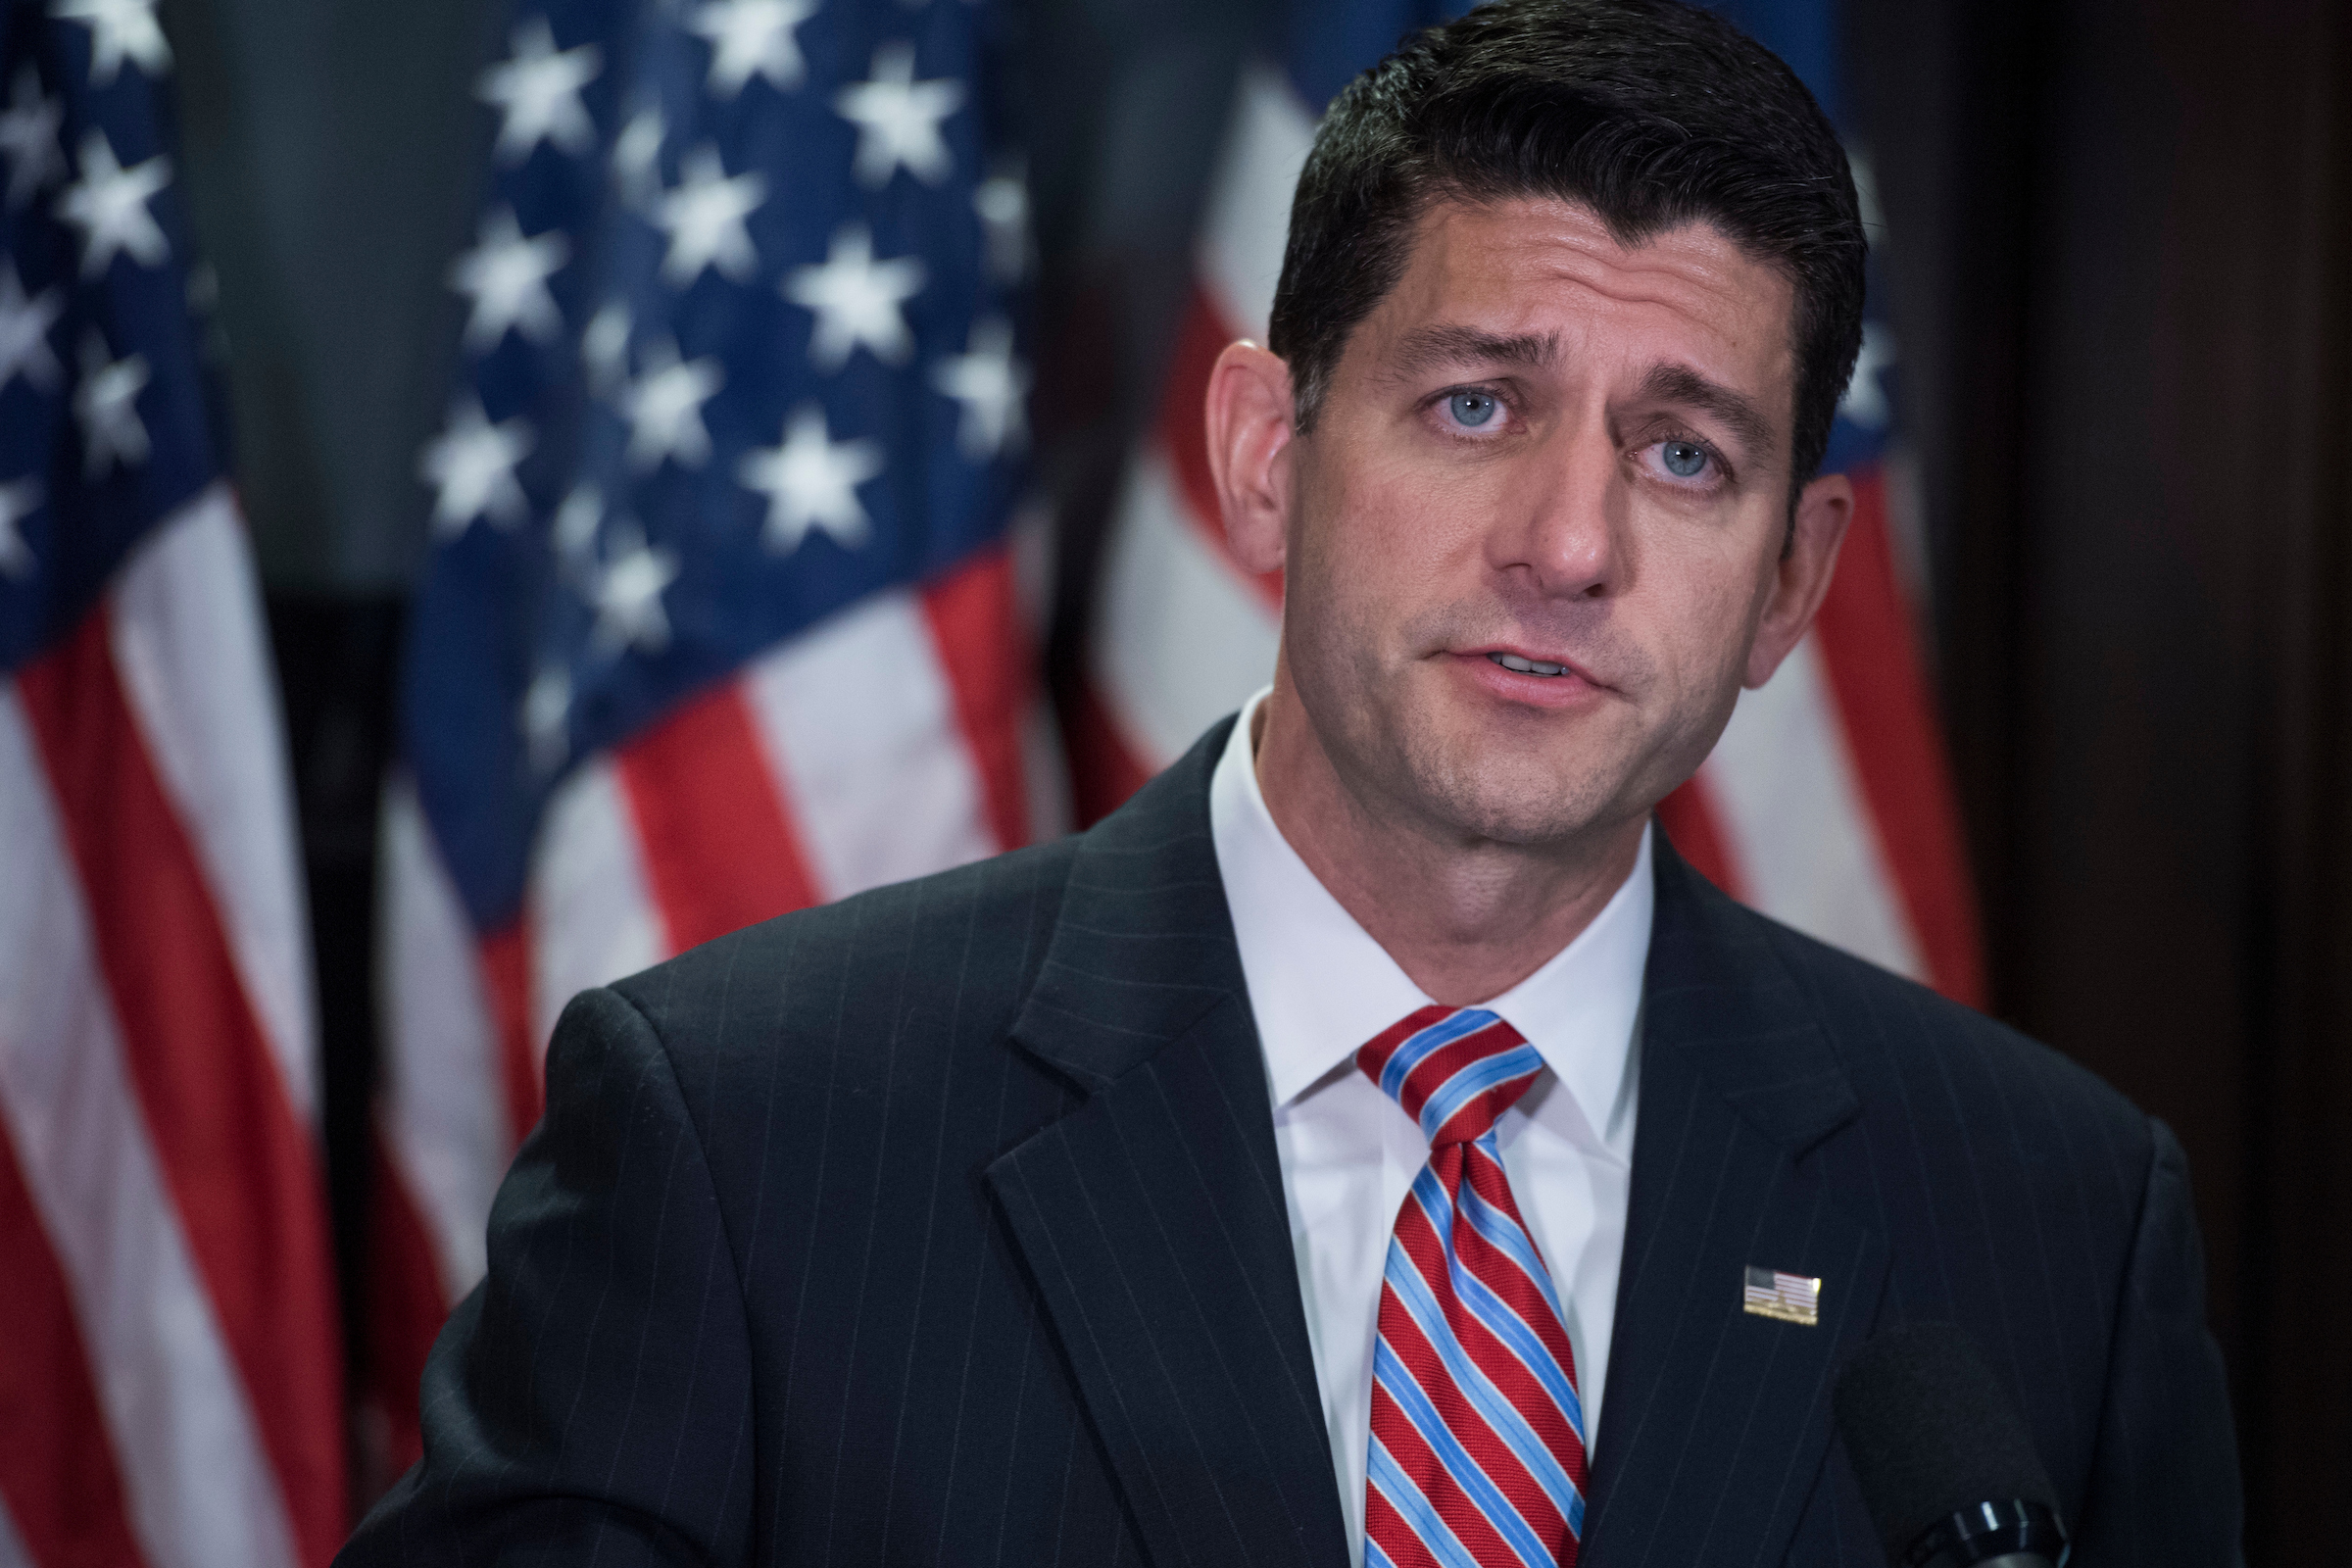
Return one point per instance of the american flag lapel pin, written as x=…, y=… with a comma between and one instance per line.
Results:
x=1784, y=1298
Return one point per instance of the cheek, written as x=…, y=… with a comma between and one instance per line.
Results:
x=1396, y=524
x=1375, y=546
x=1705, y=601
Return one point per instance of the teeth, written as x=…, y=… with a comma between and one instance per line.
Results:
x=1526, y=666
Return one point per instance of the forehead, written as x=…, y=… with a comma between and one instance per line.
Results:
x=1546, y=268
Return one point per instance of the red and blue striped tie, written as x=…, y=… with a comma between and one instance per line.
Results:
x=1476, y=1458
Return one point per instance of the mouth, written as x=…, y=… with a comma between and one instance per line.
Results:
x=1518, y=662
x=1519, y=678
x=1527, y=667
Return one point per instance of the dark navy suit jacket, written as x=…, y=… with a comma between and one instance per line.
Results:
x=944, y=1225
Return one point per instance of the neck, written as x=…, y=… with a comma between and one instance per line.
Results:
x=1465, y=918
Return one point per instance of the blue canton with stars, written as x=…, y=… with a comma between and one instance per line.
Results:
x=106, y=422
x=742, y=347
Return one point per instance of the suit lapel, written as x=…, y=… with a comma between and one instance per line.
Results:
x=1716, y=1420
x=1152, y=1217
x=1153, y=1222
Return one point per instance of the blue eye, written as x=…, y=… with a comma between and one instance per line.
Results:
x=1685, y=460
x=1471, y=408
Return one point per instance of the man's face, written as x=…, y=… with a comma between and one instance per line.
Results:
x=1539, y=520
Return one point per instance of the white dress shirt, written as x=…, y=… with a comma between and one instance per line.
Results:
x=1320, y=987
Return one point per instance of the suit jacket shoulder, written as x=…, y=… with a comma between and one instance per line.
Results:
x=878, y=984
x=2080, y=1268
x=748, y=1297
x=939, y=1225
x=1807, y=1114
x=1889, y=1031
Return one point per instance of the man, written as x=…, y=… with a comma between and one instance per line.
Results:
x=1299, y=1166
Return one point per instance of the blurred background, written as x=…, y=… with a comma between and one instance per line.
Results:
x=704, y=456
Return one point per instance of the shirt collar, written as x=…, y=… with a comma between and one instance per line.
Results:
x=1320, y=986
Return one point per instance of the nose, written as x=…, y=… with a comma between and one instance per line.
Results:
x=1563, y=532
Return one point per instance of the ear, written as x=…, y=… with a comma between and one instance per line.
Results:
x=1802, y=574
x=1249, y=418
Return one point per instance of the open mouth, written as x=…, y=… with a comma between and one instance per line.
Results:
x=1527, y=667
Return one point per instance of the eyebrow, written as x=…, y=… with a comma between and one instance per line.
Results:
x=1678, y=383
x=1432, y=348
x=1445, y=346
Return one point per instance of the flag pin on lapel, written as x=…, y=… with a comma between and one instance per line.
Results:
x=1785, y=1298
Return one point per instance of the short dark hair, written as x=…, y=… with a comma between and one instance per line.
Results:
x=1651, y=113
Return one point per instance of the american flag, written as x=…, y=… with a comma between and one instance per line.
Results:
x=1828, y=802
x=1181, y=632
x=169, y=1364
x=720, y=618
x=1787, y=1297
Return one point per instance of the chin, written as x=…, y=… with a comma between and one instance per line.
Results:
x=1520, y=800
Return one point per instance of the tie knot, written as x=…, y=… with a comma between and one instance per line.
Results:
x=1453, y=1069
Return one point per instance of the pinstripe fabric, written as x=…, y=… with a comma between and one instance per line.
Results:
x=943, y=1226
x=1802, y=1110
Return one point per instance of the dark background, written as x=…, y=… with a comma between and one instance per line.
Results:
x=2123, y=251
x=2120, y=241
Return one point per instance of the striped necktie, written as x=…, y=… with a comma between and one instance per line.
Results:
x=1477, y=1453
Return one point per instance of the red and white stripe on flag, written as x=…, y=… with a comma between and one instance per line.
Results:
x=170, y=1384
x=900, y=737
x=1182, y=632
x=1827, y=803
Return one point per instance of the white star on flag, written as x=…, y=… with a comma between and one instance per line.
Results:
x=856, y=300
x=637, y=156
x=704, y=213
x=119, y=29
x=665, y=408
x=1865, y=401
x=109, y=205
x=473, y=464
x=1002, y=203
x=753, y=38
x=546, y=716
x=577, y=521
x=629, y=597
x=897, y=119
x=810, y=481
x=106, y=400
x=506, y=277
x=538, y=90
x=28, y=139
x=992, y=385
x=605, y=348
x=25, y=331
x=18, y=501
